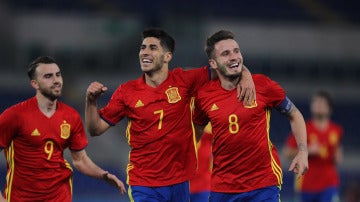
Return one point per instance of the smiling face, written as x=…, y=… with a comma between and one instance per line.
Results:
x=152, y=55
x=48, y=81
x=227, y=59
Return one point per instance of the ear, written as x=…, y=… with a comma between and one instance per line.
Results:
x=168, y=57
x=34, y=84
x=213, y=64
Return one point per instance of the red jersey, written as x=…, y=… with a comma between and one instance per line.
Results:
x=244, y=159
x=200, y=182
x=159, y=128
x=322, y=173
x=34, y=146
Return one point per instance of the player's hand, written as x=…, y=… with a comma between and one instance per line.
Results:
x=299, y=164
x=246, y=89
x=114, y=181
x=95, y=90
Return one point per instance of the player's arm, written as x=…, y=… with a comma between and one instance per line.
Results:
x=95, y=125
x=85, y=165
x=299, y=163
x=246, y=88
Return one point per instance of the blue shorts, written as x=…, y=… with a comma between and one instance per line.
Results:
x=172, y=193
x=268, y=194
x=328, y=195
x=200, y=197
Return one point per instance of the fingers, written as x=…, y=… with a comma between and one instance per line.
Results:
x=298, y=169
x=95, y=90
x=113, y=180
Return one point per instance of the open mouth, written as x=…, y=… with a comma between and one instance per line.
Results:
x=146, y=61
x=234, y=65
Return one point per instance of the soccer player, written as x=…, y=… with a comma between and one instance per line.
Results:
x=162, y=157
x=246, y=165
x=200, y=182
x=321, y=183
x=34, y=135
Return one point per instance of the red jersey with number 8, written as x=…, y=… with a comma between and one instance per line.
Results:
x=244, y=159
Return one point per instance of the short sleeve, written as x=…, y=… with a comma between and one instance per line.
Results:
x=274, y=94
x=8, y=127
x=78, y=137
x=114, y=111
x=197, y=77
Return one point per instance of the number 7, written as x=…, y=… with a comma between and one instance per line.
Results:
x=161, y=112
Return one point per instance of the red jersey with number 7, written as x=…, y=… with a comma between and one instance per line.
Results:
x=244, y=159
x=34, y=146
x=159, y=130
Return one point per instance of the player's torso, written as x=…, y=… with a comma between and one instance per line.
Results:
x=157, y=113
x=41, y=140
x=160, y=129
x=327, y=140
x=243, y=153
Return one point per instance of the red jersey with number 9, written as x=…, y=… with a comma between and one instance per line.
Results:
x=159, y=130
x=34, y=146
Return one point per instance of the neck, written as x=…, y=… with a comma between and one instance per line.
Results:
x=154, y=79
x=46, y=106
x=229, y=83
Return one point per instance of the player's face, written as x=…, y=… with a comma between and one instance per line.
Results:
x=48, y=81
x=320, y=108
x=228, y=59
x=152, y=55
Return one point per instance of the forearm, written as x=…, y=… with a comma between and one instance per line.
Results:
x=87, y=167
x=298, y=128
x=92, y=118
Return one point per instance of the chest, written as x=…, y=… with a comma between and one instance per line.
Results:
x=163, y=102
x=39, y=130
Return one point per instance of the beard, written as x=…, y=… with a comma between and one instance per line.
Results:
x=157, y=66
x=225, y=74
x=48, y=93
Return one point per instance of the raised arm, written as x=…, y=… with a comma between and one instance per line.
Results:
x=95, y=125
x=85, y=165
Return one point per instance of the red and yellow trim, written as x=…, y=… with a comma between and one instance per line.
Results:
x=276, y=168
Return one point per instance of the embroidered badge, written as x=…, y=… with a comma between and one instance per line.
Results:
x=253, y=105
x=173, y=95
x=65, y=130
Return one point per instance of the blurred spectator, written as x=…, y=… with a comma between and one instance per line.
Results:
x=321, y=182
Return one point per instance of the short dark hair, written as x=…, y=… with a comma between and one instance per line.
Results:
x=213, y=39
x=326, y=95
x=34, y=64
x=166, y=41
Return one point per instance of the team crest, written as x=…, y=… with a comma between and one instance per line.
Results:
x=65, y=130
x=173, y=95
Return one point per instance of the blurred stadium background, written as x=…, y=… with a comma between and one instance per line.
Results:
x=304, y=45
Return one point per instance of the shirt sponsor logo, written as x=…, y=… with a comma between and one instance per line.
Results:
x=139, y=103
x=65, y=130
x=35, y=132
x=173, y=95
